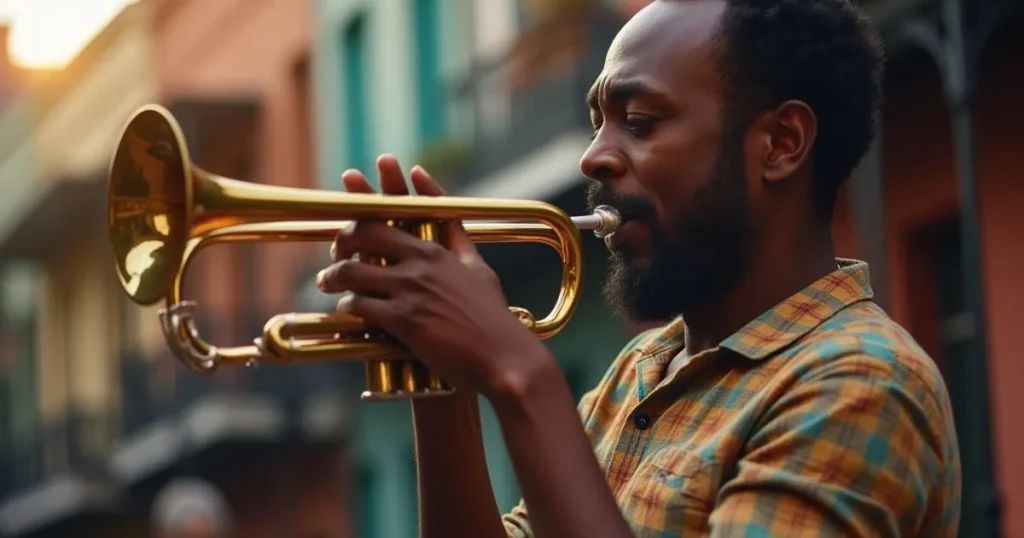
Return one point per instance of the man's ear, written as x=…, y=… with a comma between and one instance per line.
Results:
x=790, y=133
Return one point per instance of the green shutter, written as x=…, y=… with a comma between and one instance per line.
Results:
x=357, y=103
x=427, y=56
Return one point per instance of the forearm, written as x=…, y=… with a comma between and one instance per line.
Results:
x=455, y=493
x=561, y=480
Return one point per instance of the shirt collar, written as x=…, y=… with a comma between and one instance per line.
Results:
x=788, y=320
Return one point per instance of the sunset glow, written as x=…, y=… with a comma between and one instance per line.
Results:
x=48, y=34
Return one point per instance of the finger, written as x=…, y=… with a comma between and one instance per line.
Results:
x=352, y=276
x=355, y=181
x=424, y=184
x=380, y=240
x=452, y=232
x=373, y=310
x=392, y=181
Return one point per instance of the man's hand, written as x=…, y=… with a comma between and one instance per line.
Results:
x=441, y=301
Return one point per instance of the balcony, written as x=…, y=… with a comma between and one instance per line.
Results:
x=529, y=125
x=176, y=420
x=57, y=477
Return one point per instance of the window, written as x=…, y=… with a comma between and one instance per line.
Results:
x=939, y=319
x=301, y=96
x=357, y=105
x=954, y=325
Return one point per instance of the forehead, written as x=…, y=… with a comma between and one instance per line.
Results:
x=668, y=46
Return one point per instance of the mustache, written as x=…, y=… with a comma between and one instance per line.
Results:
x=629, y=207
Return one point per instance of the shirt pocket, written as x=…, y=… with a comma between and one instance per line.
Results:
x=672, y=492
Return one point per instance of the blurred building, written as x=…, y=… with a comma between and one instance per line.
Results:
x=62, y=395
x=100, y=415
x=95, y=416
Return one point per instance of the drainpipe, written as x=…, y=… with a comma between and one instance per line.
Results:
x=961, y=47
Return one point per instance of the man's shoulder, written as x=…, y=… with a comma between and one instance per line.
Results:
x=863, y=337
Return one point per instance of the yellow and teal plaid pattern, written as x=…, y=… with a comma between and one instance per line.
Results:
x=822, y=417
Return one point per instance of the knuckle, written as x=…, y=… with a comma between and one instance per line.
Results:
x=434, y=251
x=489, y=275
x=342, y=269
x=405, y=315
x=415, y=276
x=421, y=273
x=336, y=275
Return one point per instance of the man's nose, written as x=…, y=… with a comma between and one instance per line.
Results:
x=602, y=161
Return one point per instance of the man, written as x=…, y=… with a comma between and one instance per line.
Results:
x=191, y=508
x=779, y=401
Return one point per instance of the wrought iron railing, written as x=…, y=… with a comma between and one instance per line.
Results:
x=77, y=445
x=532, y=94
x=155, y=388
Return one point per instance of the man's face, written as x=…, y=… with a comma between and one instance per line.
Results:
x=663, y=156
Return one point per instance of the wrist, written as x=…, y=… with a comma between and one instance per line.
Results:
x=528, y=378
x=460, y=403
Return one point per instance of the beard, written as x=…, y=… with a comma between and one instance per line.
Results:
x=702, y=259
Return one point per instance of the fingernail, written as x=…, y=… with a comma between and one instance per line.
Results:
x=334, y=252
x=320, y=279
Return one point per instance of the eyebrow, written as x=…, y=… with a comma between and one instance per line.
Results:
x=622, y=91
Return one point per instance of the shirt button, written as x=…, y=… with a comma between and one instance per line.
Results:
x=642, y=422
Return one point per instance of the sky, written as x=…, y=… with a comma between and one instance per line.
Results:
x=48, y=34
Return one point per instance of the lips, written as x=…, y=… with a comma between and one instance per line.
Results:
x=632, y=238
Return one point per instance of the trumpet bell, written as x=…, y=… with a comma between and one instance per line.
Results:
x=149, y=204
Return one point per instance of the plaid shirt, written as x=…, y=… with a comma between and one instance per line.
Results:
x=822, y=417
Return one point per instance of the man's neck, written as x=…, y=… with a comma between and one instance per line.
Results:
x=773, y=277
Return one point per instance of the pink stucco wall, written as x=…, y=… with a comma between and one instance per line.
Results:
x=235, y=49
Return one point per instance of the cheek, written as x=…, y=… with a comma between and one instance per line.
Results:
x=672, y=169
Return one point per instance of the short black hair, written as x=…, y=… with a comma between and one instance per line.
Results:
x=825, y=53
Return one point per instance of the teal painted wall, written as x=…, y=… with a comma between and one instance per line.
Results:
x=391, y=84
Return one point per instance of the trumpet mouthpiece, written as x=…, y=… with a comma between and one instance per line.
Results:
x=603, y=221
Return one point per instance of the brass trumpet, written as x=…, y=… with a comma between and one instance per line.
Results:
x=162, y=210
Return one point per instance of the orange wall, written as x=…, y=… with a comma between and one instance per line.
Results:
x=920, y=185
x=245, y=49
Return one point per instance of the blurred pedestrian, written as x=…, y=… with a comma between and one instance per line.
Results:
x=191, y=508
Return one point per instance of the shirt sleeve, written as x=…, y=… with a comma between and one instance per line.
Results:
x=517, y=521
x=862, y=448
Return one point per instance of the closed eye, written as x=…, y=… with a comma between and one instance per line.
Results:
x=639, y=125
